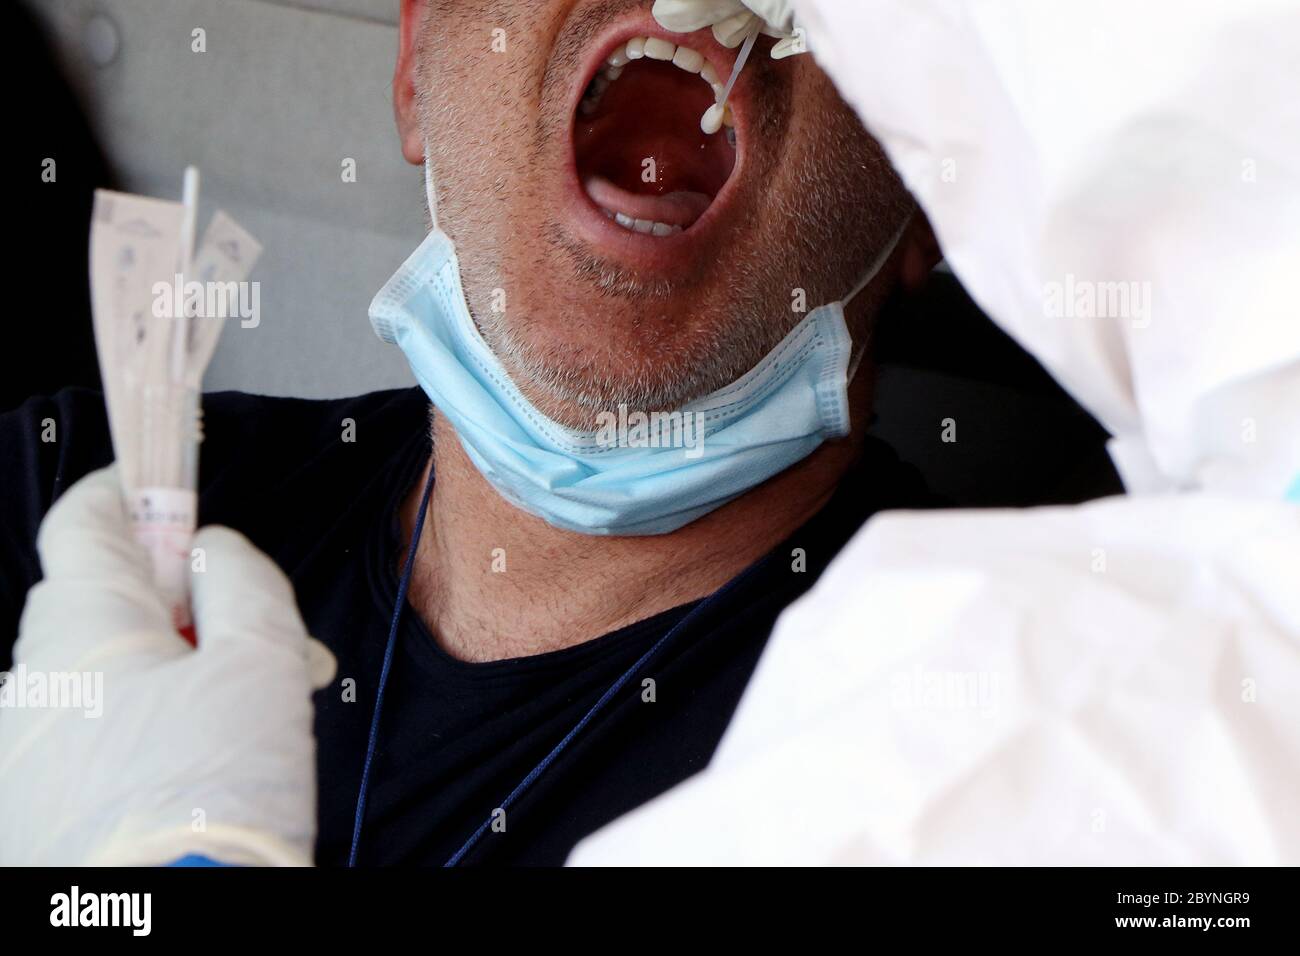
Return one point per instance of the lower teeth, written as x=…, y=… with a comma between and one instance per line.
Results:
x=645, y=226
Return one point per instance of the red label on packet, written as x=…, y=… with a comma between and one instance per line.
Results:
x=163, y=521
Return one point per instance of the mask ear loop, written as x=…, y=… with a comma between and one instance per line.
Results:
x=860, y=349
x=430, y=194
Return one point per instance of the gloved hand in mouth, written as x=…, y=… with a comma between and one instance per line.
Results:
x=732, y=20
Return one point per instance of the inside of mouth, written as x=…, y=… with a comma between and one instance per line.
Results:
x=640, y=153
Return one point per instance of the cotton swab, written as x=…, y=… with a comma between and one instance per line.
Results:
x=711, y=121
x=181, y=323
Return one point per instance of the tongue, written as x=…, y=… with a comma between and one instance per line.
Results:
x=680, y=208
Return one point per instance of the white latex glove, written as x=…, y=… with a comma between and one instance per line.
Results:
x=206, y=751
x=731, y=21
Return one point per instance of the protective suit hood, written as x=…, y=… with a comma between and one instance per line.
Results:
x=1128, y=215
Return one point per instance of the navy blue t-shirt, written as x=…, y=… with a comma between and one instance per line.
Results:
x=317, y=485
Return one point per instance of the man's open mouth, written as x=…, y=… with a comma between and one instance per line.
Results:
x=640, y=153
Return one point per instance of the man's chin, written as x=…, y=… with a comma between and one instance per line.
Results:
x=572, y=380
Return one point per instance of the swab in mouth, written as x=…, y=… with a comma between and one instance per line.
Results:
x=717, y=114
x=640, y=154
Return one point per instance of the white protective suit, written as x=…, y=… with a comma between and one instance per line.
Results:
x=1118, y=185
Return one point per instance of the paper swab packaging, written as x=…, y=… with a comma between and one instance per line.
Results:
x=155, y=332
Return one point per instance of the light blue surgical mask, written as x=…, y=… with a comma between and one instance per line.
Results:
x=636, y=474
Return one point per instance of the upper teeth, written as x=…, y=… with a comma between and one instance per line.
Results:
x=656, y=48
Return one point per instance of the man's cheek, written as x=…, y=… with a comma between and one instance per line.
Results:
x=505, y=27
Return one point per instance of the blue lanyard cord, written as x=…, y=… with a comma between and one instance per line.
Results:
x=388, y=664
x=605, y=698
x=559, y=748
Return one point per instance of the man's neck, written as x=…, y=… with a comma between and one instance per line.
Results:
x=494, y=582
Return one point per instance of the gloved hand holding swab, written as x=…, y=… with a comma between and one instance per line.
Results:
x=713, y=117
